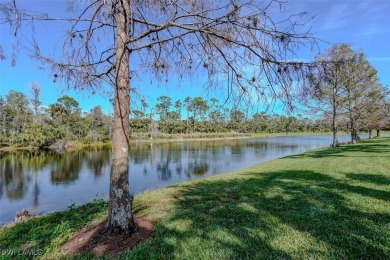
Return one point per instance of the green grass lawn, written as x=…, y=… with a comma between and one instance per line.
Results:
x=331, y=203
x=265, y=135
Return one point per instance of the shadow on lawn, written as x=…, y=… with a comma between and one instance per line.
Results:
x=373, y=147
x=260, y=216
x=370, y=178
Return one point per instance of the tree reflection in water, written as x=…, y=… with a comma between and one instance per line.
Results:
x=97, y=160
x=12, y=178
x=66, y=168
x=163, y=170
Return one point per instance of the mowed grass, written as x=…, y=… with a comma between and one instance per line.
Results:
x=331, y=203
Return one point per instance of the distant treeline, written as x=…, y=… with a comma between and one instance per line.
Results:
x=25, y=122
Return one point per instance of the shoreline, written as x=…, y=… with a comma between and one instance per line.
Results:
x=178, y=138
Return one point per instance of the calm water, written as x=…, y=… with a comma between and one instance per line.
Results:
x=47, y=181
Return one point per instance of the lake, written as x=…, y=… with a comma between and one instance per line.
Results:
x=45, y=181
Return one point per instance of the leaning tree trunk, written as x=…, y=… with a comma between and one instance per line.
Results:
x=120, y=217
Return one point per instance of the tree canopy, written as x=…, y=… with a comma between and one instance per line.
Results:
x=344, y=83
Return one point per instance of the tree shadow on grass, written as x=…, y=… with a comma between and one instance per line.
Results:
x=277, y=215
x=274, y=215
x=372, y=148
x=369, y=178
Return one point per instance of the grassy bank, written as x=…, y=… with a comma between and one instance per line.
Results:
x=331, y=203
x=265, y=135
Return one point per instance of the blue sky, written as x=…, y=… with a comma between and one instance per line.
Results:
x=364, y=24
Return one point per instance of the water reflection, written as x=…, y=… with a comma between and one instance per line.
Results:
x=96, y=160
x=13, y=181
x=163, y=170
x=66, y=168
x=45, y=180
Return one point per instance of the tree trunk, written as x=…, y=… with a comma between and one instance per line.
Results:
x=187, y=122
x=370, y=133
x=334, y=116
x=334, y=128
x=378, y=133
x=4, y=124
x=357, y=132
x=194, y=122
x=335, y=137
x=120, y=217
x=353, y=131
